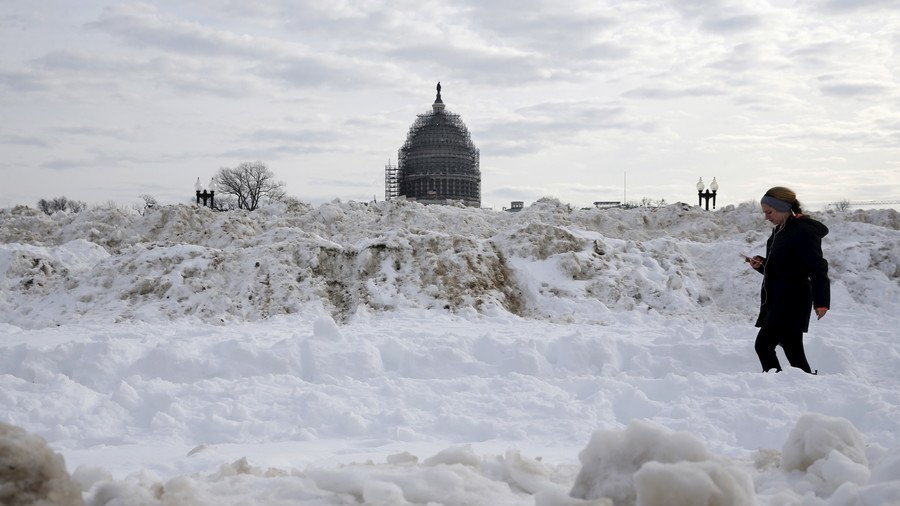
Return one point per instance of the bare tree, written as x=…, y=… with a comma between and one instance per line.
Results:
x=652, y=204
x=840, y=205
x=61, y=203
x=225, y=203
x=149, y=201
x=249, y=183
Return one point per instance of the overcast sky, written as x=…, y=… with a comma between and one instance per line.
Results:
x=580, y=100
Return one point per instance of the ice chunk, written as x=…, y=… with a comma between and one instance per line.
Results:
x=835, y=470
x=325, y=328
x=612, y=457
x=32, y=473
x=815, y=436
x=463, y=454
x=692, y=483
x=86, y=476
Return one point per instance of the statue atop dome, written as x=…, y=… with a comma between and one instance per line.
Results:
x=438, y=99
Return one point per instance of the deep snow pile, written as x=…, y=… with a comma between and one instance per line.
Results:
x=392, y=353
x=549, y=261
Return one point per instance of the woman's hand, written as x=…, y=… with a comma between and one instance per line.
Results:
x=820, y=312
x=755, y=262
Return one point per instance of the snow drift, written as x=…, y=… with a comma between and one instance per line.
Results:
x=642, y=465
x=392, y=353
x=550, y=261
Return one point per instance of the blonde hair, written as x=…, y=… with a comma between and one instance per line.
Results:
x=786, y=195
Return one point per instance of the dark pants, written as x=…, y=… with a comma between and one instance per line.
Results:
x=792, y=344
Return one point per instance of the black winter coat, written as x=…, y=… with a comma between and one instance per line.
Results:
x=795, y=275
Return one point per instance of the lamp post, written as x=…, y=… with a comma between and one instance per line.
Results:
x=212, y=193
x=198, y=188
x=206, y=195
x=701, y=195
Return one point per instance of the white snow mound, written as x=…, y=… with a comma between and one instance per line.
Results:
x=816, y=436
x=612, y=457
x=31, y=473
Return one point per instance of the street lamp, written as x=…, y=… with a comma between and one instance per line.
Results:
x=206, y=195
x=714, y=186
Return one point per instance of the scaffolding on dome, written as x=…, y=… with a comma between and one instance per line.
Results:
x=439, y=162
x=391, y=184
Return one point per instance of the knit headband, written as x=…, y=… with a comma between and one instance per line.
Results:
x=777, y=204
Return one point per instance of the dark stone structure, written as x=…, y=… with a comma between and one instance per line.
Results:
x=438, y=163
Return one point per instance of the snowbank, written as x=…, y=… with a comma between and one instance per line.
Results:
x=311, y=355
x=649, y=466
x=549, y=261
x=641, y=465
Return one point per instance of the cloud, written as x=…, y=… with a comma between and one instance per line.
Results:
x=768, y=101
x=731, y=24
x=272, y=152
x=88, y=77
x=849, y=89
x=605, y=51
x=564, y=115
x=508, y=192
x=841, y=6
x=476, y=43
x=315, y=72
x=84, y=63
x=79, y=76
x=539, y=26
x=847, y=85
x=372, y=122
x=111, y=157
x=303, y=139
x=294, y=63
x=20, y=81
x=533, y=128
x=743, y=57
x=298, y=136
x=97, y=132
x=671, y=93
x=142, y=25
x=836, y=138
x=638, y=84
x=510, y=147
x=64, y=164
x=817, y=53
x=561, y=42
x=341, y=182
x=588, y=190
x=697, y=8
x=479, y=64
x=24, y=140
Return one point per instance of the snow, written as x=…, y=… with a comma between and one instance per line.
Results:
x=391, y=353
x=692, y=483
x=32, y=473
x=816, y=436
x=612, y=457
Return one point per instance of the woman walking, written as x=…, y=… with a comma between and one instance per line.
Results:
x=795, y=280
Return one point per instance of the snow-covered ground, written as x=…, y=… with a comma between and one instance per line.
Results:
x=390, y=353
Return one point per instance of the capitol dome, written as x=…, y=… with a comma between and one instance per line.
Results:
x=438, y=163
